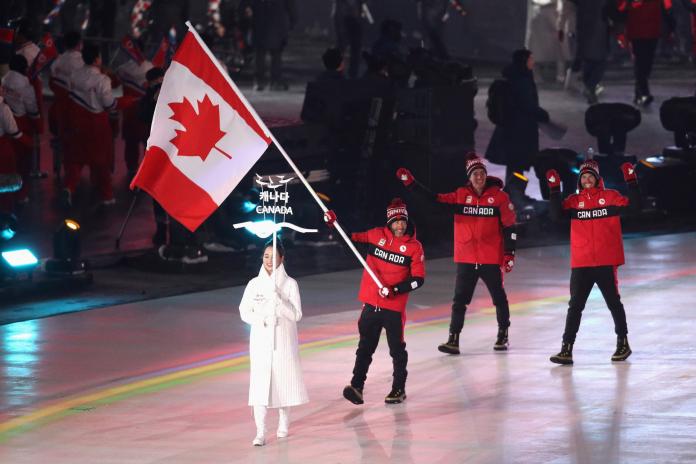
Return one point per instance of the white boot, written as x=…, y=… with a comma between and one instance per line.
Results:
x=283, y=422
x=260, y=419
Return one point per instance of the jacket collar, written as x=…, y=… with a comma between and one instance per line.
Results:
x=279, y=271
x=492, y=183
x=405, y=238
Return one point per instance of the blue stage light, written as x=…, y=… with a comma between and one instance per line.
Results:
x=248, y=206
x=20, y=258
x=8, y=226
x=7, y=233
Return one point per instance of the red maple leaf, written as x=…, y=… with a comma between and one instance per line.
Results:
x=201, y=130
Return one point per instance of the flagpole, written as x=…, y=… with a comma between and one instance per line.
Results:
x=282, y=151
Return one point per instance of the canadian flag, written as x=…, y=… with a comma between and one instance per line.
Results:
x=204, y=137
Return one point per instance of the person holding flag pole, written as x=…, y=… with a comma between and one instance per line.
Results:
x=271, y=306
x=396, y=254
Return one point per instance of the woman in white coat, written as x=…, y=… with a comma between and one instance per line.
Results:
x=271, y=306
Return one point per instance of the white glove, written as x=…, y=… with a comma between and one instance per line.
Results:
x=270, y=321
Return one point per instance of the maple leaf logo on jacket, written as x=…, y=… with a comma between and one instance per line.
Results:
x=201, y=130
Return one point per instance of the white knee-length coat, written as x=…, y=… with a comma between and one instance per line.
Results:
x=275, y=375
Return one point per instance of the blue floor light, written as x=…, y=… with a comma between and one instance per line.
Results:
x=21, y=259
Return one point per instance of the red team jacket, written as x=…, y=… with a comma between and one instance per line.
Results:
x=393, y=260
x=595, y=227
x=644, y=19
x=479, y=222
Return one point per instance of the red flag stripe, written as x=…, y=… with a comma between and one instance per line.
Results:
x=6, y=35
x=161, y=53
x=194, y=57
x=163, y=181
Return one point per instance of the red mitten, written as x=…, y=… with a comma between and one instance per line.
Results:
x=508, y=262
x=553, y=180
x=629, y=173
x=330, y=218
x=405, y=176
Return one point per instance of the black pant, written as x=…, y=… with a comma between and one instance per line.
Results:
x=582, y=279
x=593, y=72
x=434, y=32
x=349, y=35
x=370, y=325
x=467, y=276
x=276, y=65
x=644, y=54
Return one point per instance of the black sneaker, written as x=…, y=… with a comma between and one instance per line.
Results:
x=623, y=350
x=352, y=394
x=565, y=356
x=396, y=396
x=451, y=346
x=501, y=341
x=280, y=86
x=194, y=255
x=160, y=236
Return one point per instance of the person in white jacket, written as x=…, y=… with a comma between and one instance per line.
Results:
x=271, y=306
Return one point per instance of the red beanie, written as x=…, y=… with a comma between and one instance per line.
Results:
x=473, y=162
x=590, y=166
x=396, y=210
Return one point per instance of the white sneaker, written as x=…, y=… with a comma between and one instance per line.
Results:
x=217, y=247
x=259, y=441
x=283, y=422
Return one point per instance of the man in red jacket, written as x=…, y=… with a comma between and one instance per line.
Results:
x=644, y=20
x=484, y=244
x=397, y=258
x=596, y=249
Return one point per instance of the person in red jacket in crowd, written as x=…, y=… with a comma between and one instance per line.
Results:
x=88, y=140
x=484, y=244
x=133, y=132
x=20, y=97
x=596, y=249
x=10, y=138
x=690, y=6
x=644, y=20
x=396, y=257
x=61, y=70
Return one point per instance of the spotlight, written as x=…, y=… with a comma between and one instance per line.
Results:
x=66, y=250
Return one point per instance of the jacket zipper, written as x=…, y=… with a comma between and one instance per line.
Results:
x=477, y=230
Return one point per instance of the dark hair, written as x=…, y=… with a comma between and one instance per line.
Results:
x=71, y=39
x=90, y=53
x=279, y=247
x=154, y=73
x=332, y=58
x=520, y=57
x=18, y=63
x=26, y=29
